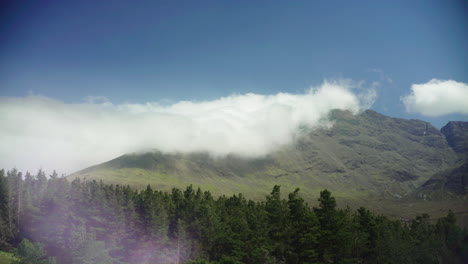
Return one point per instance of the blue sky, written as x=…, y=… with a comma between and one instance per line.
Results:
x=82, y=82
x=167, y=51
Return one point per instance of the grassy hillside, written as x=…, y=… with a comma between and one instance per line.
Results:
x=359, y=156
x=6, y=258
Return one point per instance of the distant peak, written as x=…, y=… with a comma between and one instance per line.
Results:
x=456, y=123
x=456, y=133
x=372, y=113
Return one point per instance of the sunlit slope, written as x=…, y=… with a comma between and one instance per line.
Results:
x=362, y=155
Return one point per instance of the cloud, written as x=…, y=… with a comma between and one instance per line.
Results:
x=382, y=74
x=437, y=98
x=42, y=132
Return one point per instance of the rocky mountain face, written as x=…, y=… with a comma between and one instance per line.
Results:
x=453, y=181
x=360, y=156
x=456, y=133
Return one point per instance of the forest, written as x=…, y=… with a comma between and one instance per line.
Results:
x=47, y=219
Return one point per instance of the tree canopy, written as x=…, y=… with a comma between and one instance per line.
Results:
x=51, y=220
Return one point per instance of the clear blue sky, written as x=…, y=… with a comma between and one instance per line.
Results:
x=139, y=51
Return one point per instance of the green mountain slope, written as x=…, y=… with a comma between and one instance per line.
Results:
x=360, y=156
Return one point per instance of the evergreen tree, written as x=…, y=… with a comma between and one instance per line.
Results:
x=452, y=240
x=277, y=210
x=85, y=249
x=15, y=182
x=335, y=234
x=365, y=235
x=304, y=227
x=31, y=253
x=93, y=222
x=6, y=234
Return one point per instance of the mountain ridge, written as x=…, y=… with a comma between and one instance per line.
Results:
x=395, y=166
x=399, y=154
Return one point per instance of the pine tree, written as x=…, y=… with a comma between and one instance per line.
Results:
x=304, y=227
x=6, y=234
x=15, y=182
x=31, y=253
x=277, y=210
x=335, y=234
x=85, y=249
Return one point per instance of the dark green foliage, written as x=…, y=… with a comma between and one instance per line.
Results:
x=91, y=222
x=304, y=231
x=85, y=249
x=6, y=234
x=334, y=238
x=31, y=253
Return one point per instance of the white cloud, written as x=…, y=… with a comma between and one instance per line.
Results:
x=37, y=131
x=437, y=98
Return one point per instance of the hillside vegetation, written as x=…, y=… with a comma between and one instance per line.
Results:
x=6, y=258
x=365, y=159
x=54, y=221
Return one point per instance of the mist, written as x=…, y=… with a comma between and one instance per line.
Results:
x=41, y=132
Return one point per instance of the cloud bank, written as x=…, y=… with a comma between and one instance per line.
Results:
x=437, y=98
x=37, y=131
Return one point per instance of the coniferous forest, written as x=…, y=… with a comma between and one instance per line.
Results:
x=51, y=220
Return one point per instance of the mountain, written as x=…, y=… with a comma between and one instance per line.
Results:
x=449, y=182
x=368, y=155
x=456, y=134
x=453, y=181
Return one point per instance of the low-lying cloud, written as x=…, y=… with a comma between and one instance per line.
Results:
x=37, y=131
x=437, y=98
